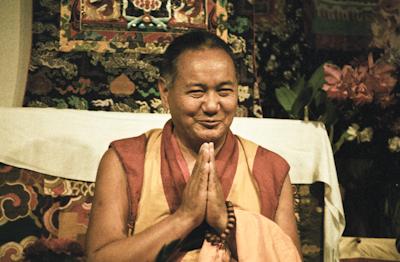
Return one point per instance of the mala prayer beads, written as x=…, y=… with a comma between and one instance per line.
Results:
x=220, y=240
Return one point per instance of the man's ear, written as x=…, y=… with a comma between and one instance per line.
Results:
x=163, y=89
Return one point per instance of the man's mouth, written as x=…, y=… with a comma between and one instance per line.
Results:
x=209, y=123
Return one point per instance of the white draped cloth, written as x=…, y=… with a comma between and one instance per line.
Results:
x=70, y=143
x=382, y=249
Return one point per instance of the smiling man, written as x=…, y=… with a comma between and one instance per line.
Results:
x=202, y=98
x=193, y=182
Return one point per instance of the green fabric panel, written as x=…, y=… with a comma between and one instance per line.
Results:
x=335, y=27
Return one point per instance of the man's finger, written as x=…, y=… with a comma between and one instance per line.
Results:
x=201, y=159
x=213, y=172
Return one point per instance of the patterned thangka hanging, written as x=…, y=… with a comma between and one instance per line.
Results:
x=133, y=25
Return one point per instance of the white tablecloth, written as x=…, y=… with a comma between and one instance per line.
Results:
x=69, y=143
x=383, y=249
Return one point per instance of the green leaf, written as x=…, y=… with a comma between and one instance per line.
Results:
x=319, y=97
x=317, y=79
x=286, y=98
x=315, y=83
x=330, y=117
x=338, y=144
x=303, y=99
x=299, y=85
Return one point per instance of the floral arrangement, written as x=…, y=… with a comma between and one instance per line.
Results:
x=365, y=97
x=356, y=100
x=367, y=83
x=359, y=105
x=363, y=84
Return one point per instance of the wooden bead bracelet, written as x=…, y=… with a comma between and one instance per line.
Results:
x=220, y=240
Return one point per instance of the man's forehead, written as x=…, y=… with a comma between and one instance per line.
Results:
x=198, y=54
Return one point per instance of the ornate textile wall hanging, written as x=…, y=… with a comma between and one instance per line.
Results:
x=104, y=54
x=143, y=26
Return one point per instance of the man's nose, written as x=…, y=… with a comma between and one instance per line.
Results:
x=211, y=103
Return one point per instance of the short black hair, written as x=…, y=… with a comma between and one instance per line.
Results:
x=193, y=40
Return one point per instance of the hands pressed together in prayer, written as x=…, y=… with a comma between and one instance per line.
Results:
x=203, y=198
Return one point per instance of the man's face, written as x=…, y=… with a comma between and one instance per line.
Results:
x=203, y=98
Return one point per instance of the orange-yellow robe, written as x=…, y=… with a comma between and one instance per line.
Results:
x=251, y=177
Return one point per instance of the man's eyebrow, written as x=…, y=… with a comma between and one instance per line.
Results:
x=196, y=84
x=202, y=85
x=226, y=83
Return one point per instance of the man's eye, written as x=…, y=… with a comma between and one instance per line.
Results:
x=225, y=91
x=196, y=93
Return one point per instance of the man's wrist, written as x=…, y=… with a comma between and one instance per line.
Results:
x=222, y=222
x=185, y=220
x=222, y=236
